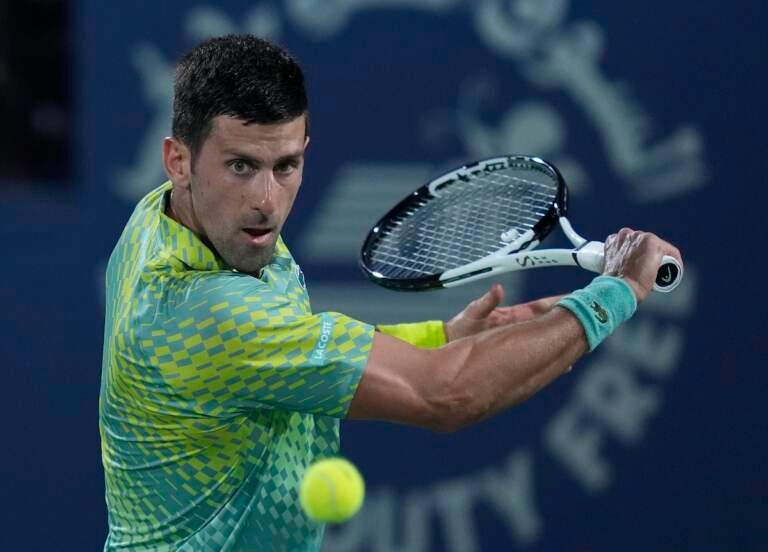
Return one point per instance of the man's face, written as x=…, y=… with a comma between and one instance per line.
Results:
x=243, y=184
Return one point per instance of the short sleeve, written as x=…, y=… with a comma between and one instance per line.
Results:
x=226, y=342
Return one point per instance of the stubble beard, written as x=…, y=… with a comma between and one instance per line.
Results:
x=247, y=259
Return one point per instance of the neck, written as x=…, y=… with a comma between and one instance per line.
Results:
x=175, y=209
x=169, y=208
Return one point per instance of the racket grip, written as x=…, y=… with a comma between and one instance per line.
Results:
x=592, y=257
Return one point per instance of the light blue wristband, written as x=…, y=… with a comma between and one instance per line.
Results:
x=601, y=307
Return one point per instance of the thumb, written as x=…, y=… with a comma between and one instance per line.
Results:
x=482, y=307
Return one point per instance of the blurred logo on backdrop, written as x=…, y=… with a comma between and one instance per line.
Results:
x=615, y=393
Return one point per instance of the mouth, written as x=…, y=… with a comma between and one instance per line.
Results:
x=258, y=235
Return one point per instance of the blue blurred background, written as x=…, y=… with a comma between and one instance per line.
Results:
x=655, y=112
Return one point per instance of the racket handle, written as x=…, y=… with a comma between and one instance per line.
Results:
x=592, y=257
x=669, y=276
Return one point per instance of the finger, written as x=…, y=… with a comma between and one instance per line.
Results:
x=672, y=251
x=675, y=252
x=618, y=237
x=482, y=307
x=515, y=313
x=624, y=236
x=498, y=291
x=499, y=317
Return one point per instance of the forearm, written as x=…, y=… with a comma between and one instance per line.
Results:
x=469, y=379
x=475, y=377
x=487, y=373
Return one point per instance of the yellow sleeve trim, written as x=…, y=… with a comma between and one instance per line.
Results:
x=428, y=335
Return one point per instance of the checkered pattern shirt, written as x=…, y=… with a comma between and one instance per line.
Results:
x=217, y=390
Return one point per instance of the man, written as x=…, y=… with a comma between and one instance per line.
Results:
x=220, y=386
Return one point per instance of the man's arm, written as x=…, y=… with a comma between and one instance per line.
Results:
x=469, y=379
x=473, y=378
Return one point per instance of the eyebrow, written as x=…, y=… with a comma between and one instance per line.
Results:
x=294, y=156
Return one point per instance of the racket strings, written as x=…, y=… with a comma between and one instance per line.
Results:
x=444, y=239
x=463, y=223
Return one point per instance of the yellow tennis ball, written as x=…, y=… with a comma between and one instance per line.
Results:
x=332, y=490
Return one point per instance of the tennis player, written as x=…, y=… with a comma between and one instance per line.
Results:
x=219, y=384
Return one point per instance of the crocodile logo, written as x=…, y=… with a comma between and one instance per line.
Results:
x=600, y=313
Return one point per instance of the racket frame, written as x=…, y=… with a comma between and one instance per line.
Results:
x=519, y=254
x=432, y=190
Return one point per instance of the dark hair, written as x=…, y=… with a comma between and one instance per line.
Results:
x=238, y=75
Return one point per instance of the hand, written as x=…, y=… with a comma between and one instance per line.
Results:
x=636, y=256
x=485, y=313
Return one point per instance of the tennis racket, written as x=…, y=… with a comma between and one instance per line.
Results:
x=479, y=221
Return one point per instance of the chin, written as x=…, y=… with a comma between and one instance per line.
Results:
x=252, y=264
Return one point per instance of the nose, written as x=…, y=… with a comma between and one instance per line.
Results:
x=262, y=197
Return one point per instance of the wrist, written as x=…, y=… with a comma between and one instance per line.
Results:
x=639, y=291
x=601, y=307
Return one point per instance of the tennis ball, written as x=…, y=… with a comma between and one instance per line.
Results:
x=332, y=490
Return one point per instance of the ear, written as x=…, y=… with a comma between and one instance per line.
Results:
x=177, y=160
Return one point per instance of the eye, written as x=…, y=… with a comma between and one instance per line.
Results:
x=240, y=167
x=286, y=168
